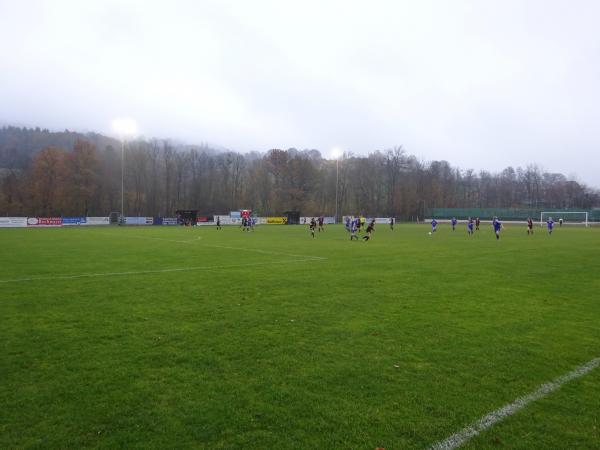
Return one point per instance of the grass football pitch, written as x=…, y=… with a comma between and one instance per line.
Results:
x=170, y=337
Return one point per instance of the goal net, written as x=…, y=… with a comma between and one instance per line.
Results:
x=568, y=218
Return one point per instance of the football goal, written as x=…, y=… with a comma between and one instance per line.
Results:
x=570, y=217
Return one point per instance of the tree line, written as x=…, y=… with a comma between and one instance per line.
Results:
x=70, y=174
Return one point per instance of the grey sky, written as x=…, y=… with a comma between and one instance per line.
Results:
x=482, y=84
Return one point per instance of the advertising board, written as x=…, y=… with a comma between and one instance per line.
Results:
x=44, y=221
x=74, y=220
x=10, y=222
x=276, y=220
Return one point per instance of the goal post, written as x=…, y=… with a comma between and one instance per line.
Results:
x=569, y=217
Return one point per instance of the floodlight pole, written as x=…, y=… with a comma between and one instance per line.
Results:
x=337, y=161
x=122, y=220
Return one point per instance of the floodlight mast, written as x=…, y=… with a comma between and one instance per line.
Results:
x=124, y=128
x=336, y=153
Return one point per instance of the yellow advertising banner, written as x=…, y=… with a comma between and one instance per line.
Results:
x=277, y=220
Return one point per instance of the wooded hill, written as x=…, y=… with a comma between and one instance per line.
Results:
x=47, y=173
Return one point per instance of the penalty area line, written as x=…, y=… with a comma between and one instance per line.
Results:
x=146, y=272
x=487, y=421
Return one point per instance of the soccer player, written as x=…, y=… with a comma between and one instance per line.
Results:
x=550, y=225
x=560, y=221
x=321, y=221
x=370, y=229
x=433, y=225
x=347, y=224
x=312, y=226
x=497, y=227
x=454, y=222
x=477, y=223
x=392, y=220
x=354, y=229
x=529, y=226
x=470, y=227
x=218, y=223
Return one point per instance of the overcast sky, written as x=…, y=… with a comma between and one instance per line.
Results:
x=482, y=84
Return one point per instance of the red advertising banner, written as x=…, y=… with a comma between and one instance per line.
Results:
x=44, y=221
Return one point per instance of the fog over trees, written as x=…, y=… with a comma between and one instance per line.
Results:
x=70, y=174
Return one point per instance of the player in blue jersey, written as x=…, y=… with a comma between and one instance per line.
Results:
x=433, y=225
x=454, y=222
x=550, y=225
x=497, y=227
x=470, y=226
x=354, y=229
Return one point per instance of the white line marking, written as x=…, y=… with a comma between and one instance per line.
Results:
x=195, y=241
x=155, y=238
x=144, y=272
x=459, y=438
x=266, y=252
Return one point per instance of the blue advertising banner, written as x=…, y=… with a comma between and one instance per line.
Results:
x=74, y=220
x=158, y=221
x=169, y=220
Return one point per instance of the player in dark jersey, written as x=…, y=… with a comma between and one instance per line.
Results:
x=312, y=226
x=370, y=229
x=529, y=226
x=392, y=220
x=218, y=223
x=321, y=222
x=560, y=221
x=477, y=223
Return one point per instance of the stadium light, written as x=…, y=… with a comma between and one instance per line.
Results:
x=124, y=128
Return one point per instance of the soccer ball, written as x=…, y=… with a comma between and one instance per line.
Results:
x=430, y=233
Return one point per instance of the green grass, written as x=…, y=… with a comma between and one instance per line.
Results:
x=397, y=343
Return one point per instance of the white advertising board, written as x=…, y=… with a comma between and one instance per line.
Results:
x=10, y=222
x=97, y=221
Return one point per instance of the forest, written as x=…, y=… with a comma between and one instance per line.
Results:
x=44, y=173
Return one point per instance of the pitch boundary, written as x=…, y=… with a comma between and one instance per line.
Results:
x=487, y=421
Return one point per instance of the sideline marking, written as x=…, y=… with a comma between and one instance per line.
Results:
x=459, y=438
x=144, y=272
